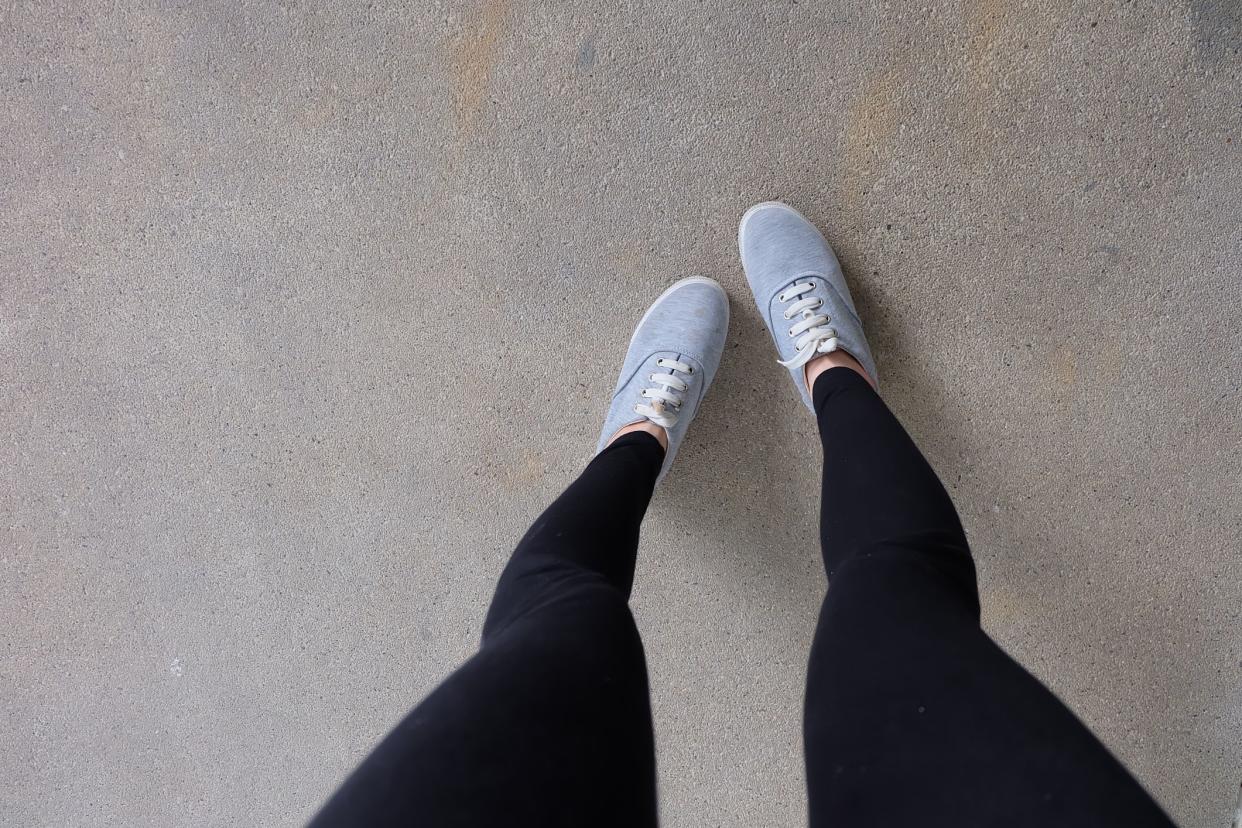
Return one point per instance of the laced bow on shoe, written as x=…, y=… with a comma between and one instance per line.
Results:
x=666, y=393
x=814, y=335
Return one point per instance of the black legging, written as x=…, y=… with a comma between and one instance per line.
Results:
x=913, y=715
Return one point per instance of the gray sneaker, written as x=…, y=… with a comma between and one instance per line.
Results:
x=801, y=293
x=672, y=359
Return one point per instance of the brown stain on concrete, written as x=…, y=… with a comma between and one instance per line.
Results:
x=1111, y=364
x=1065, y=367
x=987, y=24
x=984, y=21
x=473, y=58
x=1003, y=608
x=875, y=114
x=871, y=122
x=984, y=25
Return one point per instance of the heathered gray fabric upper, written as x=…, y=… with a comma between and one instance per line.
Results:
x=779, y=248
x=688, y=323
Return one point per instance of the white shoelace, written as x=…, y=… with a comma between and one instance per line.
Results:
x=812, y=331
x=666, y=399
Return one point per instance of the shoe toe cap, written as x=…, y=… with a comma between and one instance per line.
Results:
x=777, y=243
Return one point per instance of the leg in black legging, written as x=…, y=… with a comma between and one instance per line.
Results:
x=549, y=724
x=913, y=715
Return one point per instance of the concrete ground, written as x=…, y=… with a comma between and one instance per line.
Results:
x=308, y=309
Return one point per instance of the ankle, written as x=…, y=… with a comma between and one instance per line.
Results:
x=643, y=425
x=835, y=359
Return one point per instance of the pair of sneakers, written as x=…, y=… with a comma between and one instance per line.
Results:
x=676, y=348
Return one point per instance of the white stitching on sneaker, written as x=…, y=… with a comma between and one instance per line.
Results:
x=666, y=399
x=812, y=332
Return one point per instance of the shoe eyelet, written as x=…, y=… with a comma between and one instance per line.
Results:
x=780, y=297
x=690, y=369
x=791, y=333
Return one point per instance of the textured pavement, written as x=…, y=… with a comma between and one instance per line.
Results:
x=306, y=310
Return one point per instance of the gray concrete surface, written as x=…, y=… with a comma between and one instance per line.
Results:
x=307, y=309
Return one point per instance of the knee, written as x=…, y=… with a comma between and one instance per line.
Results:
x=908, y=577
x=584, y=635
x=550, y=594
